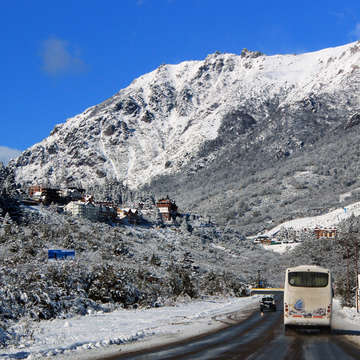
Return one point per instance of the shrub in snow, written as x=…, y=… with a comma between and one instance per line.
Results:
x=181, y=282
x=155, y=260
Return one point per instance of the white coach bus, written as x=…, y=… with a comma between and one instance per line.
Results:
x=308, y=297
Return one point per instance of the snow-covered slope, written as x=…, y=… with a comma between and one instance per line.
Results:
x=166, y=119
x=328, y=220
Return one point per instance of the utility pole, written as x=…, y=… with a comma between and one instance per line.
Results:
x=258, y=282
x=357, y=271
x=354, y=237
x=347, y=272
x=350, y=240
x=357, y=293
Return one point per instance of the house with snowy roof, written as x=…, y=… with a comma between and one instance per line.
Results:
x=128, y=215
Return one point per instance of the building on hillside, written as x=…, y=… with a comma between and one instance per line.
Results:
x=129, y=215
x=326, y=233
x=167, y=208
x=106, y=212
x=35, y=191
x=82, y=209
x=72, y=193
x=48, y=195
x=263, y=239
x=43, y=194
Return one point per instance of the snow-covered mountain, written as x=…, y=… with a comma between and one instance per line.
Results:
x=186, y=116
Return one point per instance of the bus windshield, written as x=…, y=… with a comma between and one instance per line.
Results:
x=308, y=279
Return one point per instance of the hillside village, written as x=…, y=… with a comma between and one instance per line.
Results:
x=75, y=202
x=164, y=212
x=290, y=235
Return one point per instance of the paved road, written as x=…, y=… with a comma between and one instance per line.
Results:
x=256, y=338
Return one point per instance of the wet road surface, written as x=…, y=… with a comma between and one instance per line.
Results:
x=256, y=338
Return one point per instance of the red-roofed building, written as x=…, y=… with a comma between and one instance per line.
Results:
x=325, y=233
x=167, y=208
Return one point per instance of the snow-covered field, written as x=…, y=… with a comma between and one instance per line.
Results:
x=90, y=336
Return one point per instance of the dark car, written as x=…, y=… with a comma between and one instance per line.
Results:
x=267, y=303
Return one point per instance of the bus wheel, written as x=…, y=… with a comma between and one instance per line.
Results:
x=325, y=330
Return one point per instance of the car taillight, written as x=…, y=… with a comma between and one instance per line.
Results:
x=286, y=307
x=329, y=309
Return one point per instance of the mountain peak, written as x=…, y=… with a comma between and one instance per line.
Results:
x=169, y=119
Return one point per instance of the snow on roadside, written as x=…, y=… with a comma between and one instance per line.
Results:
x=346, y=319
x=99, y=334
x=104, y=332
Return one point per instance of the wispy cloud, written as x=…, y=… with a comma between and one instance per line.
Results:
x=7, y=153
x=355, y=33
x=59, y=58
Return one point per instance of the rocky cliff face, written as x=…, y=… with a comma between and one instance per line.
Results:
x=182, y=118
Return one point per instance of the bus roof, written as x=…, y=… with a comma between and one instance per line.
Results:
x=308, y=268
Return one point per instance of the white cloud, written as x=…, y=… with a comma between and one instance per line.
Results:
x=356, y=32
x=6, y=154
x=58, y=58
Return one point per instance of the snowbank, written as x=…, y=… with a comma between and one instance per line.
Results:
x=92, y=336
x=346, y=321
x=105, y=332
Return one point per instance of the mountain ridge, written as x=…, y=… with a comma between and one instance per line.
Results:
x=225, y=136
x=156, y=117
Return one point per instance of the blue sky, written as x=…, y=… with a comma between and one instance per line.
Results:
x=60, y=57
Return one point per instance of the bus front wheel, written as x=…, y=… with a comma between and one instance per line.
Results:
x=287, y=329
x=325, y=330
